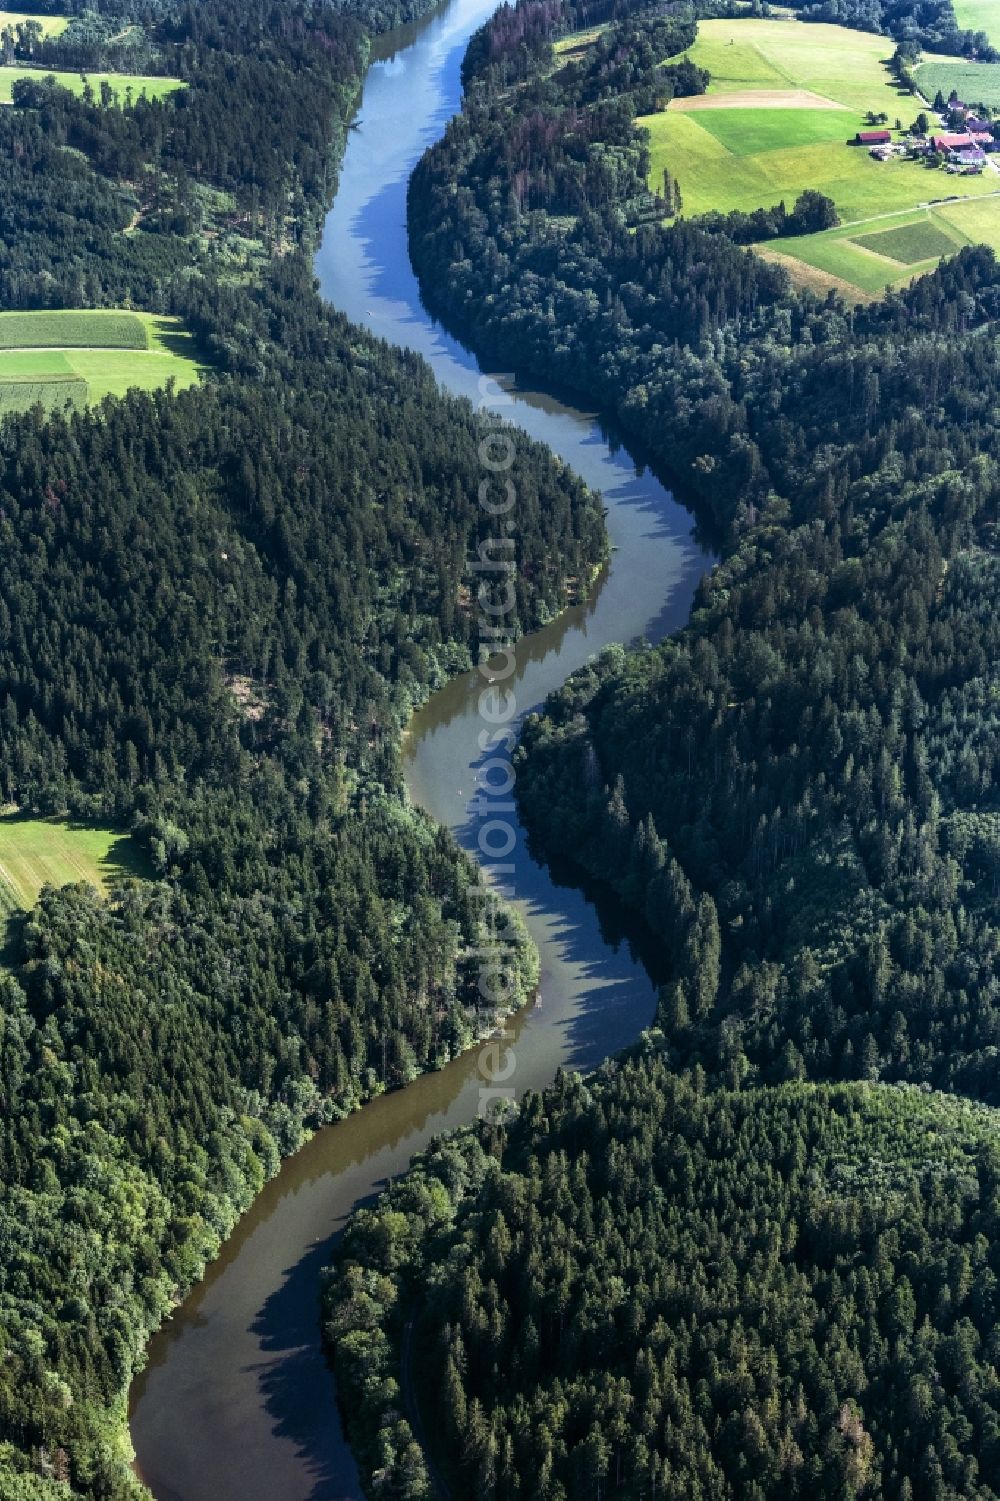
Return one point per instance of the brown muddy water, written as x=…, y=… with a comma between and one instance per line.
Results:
x=236, y=1402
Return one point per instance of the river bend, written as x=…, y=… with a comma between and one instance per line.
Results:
x=236, y=1402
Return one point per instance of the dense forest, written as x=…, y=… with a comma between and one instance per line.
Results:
x=739, y=1264
x=641, y=1288
x=799, y=791
x=216, y=609
x=757, y=1258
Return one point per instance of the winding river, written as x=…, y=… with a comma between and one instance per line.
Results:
x=236, y=1402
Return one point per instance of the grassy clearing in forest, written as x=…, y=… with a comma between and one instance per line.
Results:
x=35, y=852
x=571, y=48
x=142, y=87
x=79, y=357
x=51, y=25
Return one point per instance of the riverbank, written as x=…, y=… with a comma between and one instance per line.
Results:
x=239, y=1370
x=222, y=599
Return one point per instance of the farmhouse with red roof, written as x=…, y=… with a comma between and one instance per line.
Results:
x=948, y=142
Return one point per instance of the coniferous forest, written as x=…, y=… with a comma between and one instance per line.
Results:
x=216, y=609
x=646, y=1287
x=752, y=1259
x=758, y=1256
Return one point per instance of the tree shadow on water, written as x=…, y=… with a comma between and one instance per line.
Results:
x=296, y=1382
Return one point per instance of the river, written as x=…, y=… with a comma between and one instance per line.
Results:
x=236, y=1402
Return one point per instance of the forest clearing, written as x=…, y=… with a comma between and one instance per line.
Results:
x=55, y=357
x=37, y=852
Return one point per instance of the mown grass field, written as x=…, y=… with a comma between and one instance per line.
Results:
x=909, y=244
x=890, y=252
x=844, y=66
x=51, y=25
x=73, y=327
x=120, y=83
x=79, y=357
x=736, y=149
x=977, y=222
x=749, y=132
x=35, y=852
x=974, y=83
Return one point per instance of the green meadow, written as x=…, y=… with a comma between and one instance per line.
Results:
x=79, y=357
x=977, y=222
x=846, y=67
x=120, y=83
x=890, y=252
x=782, y=110
x=51, y=25
x=35, y=852
x=749, y=132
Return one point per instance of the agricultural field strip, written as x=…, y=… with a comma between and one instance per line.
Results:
x=62, y=328
x=896, y=213
x=84, y=355
x=82, y=349
x=885, y=260
x=149, y=86
x=911, y=244
x=755, y=99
